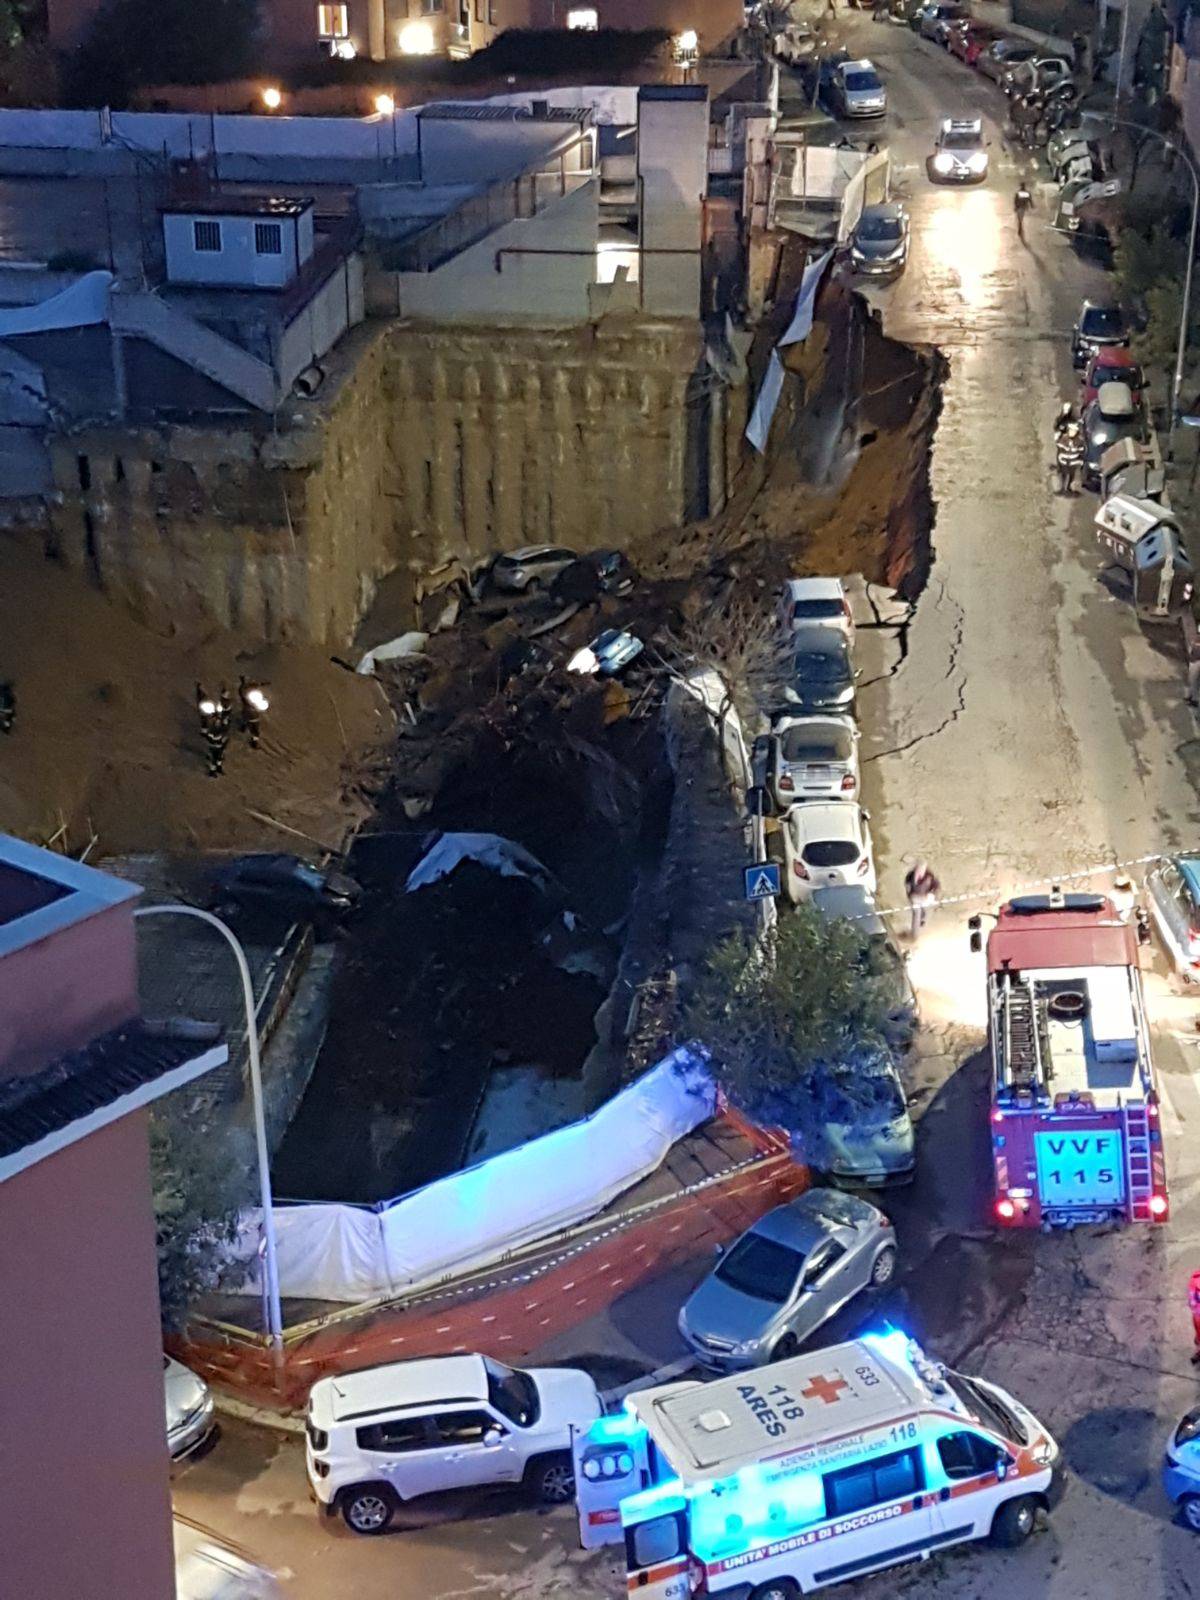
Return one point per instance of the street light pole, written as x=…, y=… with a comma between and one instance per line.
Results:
x=1185, y=313
x=270, y=1262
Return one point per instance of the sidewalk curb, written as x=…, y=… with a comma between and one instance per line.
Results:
x=261, y=1416
x=650, y=1380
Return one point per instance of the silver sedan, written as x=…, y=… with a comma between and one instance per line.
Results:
x=784, y=1277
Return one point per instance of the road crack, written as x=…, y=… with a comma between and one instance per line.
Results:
x=960, y=686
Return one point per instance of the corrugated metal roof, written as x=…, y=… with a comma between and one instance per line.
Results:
x=35, y=1105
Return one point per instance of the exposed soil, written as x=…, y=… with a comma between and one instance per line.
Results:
x=106, y=740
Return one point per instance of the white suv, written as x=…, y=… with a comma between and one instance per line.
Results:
x=389, y=1434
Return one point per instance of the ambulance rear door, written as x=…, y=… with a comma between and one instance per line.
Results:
x=611, y=1463
x=656, y=1553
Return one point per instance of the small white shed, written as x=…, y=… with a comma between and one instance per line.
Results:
x=237, y=241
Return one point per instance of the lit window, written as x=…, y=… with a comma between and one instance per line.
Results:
x=429, y=7
x=207, y=236
x=583, y=17
x=333, y=22
x=268, y=239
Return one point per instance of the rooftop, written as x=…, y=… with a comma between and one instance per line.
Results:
x=85, y=1090
x=711, y=1430
x=407, y=1383
x=42, y=893
x=227, y=204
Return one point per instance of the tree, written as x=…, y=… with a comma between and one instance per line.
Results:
x=743, y=642
x=768, y=1013
x=195, y=1219
x=134, y=42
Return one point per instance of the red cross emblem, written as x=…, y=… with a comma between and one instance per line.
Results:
x=826, y=1389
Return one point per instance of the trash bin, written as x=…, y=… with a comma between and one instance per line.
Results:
x=1142, y=538
x=1132, y=469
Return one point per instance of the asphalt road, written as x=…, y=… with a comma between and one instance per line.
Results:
x=1033, y=729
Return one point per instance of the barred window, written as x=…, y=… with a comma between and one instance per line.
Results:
x=206, y=236
x=268, y=239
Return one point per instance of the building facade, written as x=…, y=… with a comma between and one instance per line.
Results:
x=84, y=1497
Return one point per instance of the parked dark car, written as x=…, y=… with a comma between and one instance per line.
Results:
x=1112, y=415
x=276, y=888
x=603, y=572
x=1099, y=324
x=822, y=671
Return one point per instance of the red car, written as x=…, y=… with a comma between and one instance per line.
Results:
x=977, y=42
x=962, y=36
x=1113, y=364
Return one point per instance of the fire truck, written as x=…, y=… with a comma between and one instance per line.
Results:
x=1074, y=1112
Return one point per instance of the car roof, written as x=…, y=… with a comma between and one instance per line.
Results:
x=1114, y=355
x=403, y=1384
x=816, y=638
x=814, y=720
x=862, y=64
x=828, y=819
x=849, y=900
x=817, y=588
x=791, y=1226
x=1115, y=400
x=528, y=552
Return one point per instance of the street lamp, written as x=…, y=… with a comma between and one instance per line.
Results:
x=1181, y=349
x=271, y=1264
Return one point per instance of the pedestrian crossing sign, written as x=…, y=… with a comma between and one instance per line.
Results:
x=761, y=880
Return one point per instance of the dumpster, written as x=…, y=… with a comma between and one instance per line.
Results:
x=1131, y=468
x=1142, y=538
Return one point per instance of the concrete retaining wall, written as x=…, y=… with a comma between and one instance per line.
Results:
x=434, y=443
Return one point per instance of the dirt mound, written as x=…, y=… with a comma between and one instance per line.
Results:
x=106, y=739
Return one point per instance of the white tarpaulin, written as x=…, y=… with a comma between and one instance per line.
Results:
x=763, y=414
x=798, y=329
x=488, y=849
x=339, y=1252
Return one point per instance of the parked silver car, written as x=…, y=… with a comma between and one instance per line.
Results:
x=1173, y=894
x=188, y=1402
x=784, y=1277
x=533, y=567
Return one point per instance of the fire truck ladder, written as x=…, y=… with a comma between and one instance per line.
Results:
x=1022, y=1036
x=1137, y=1161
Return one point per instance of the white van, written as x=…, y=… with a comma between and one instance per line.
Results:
x=809, y=1472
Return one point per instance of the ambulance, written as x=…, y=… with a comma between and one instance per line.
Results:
x=808, y=1472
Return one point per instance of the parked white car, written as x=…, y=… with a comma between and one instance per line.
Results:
x=815, y=600
x=388, y=1434
x=826, y=842
x=812, y=758
x=189, y=1408
x=535, y=566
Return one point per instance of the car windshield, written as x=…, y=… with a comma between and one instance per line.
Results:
x=880, y=230
x=831, y=852
x=963, y=138
x=815, y=610
x=761, y=1268
x=849, y=1093
x=514, y=1394
x=826, y=666
x=847, y=1210
x=862, y=80
x=1103, y=322
x=800, y=745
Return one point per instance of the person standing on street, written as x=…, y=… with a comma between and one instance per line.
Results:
x=921, y=886
x=1022, y=205
x=1123, y=896
x=1194, y=1308
x=1068, y=457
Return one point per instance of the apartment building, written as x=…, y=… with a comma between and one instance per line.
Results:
x=84, y=1425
